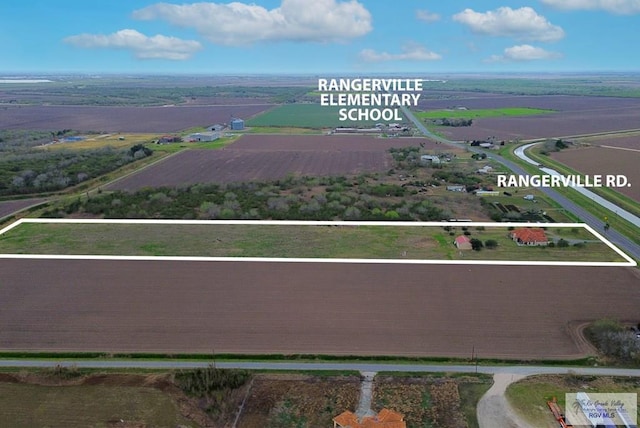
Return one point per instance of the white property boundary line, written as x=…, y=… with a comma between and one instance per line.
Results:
x=629, y=261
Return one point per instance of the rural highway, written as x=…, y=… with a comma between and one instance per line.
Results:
x=361, y=367
x=624, y=243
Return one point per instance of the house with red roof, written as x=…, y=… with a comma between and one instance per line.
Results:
x=462, y=242
x=529, y=236
x=384, y=419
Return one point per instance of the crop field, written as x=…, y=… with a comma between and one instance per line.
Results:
x=630, y=140
x=121, y=119
x=96, y=403
x=117, y=141
x=572, y=116
x=601, y=160
x=294, y=241
x=306, y=116
x=270, y=157
x=7, y=207
x=161, y=306
x=481, y=113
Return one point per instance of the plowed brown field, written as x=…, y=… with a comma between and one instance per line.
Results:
x=519, y=312
x=574, y=116
x=601, y=160
x=271, y=157
x=122, y=119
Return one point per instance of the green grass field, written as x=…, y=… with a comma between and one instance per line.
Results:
x=529, y=396
x=304, y=116
x=365, y=242
x=25, y=405
x=481, y=113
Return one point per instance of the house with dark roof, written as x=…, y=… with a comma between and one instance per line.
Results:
x=529, y=236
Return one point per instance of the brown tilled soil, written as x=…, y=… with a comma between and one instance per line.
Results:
x=9, y=207
x=244, y=307
x=122, y=119
x=603, y=161
x=574, y=115
x=272, y=157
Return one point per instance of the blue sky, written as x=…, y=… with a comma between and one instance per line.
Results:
x=319, y=36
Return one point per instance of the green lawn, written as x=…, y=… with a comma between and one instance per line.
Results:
x=529, y=396
x=28, y=406
x=366, y=242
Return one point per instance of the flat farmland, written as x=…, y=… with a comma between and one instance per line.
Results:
x=602, y=160
x=235, y=307
x=573, y=116
x=629, y=140
x=271, y=157
x=122, y=119
x=9, y=207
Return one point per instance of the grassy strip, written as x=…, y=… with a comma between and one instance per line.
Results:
x=306, y=358
x=481, y=113
x=366, y=242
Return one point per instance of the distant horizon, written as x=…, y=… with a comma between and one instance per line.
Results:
x=11, y=75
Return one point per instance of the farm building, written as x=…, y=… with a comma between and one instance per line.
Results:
x=343, y=130
x=165, y=139
x=462, y=242
x=430, y=159
x=203, y=136
x=215, y=128
x=384, y=419
x=237, y=124
x=529, y=236
x=456, y=188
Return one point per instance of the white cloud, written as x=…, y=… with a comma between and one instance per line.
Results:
x=426, y=16
x=410, y=52
x=522, y=24
x=524, y=53
x=621, y=7
x=240, y=23
x=143, y=47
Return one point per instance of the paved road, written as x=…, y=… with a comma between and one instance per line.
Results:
x=361, y=367
x=596, y=223
x=635, y=220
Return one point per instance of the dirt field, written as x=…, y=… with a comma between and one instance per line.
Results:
x=574, y=115
x=600, y=160
x=121, y=119
x=516, y=312
x=8, y=207
x=626, y=141
x=270, y=157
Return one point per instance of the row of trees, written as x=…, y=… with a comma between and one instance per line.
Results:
x=34, y=170
x=290, y=199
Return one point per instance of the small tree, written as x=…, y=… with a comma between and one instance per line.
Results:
x=476, y=244
x=491, y=243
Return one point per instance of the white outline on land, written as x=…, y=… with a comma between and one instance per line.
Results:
x=629, y=261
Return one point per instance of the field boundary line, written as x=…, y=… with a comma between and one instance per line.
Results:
x=620, y=148
x=629, y=261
